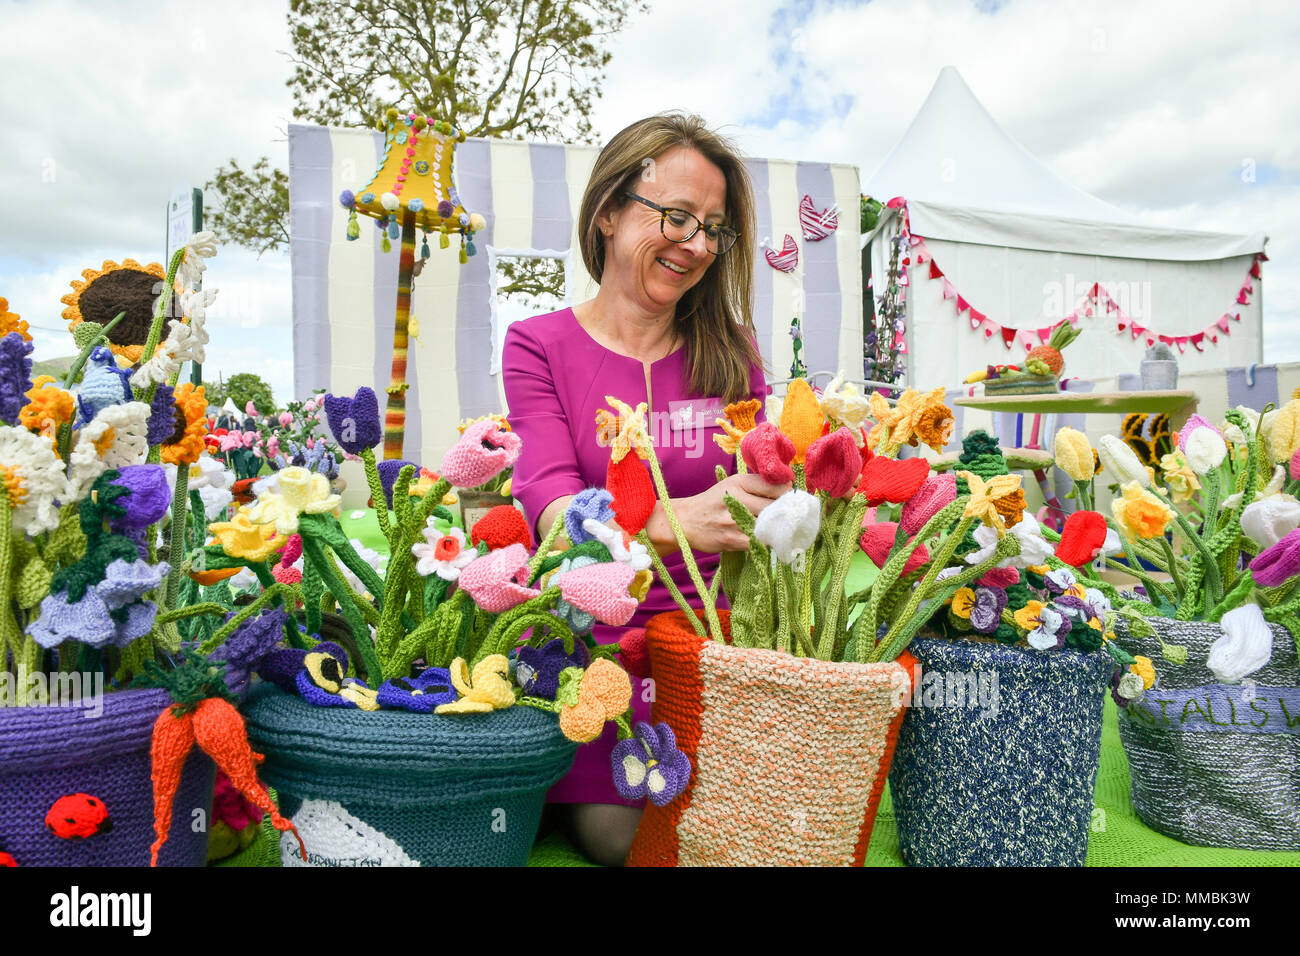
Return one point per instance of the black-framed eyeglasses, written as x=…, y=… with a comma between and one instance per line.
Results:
x=678, y=225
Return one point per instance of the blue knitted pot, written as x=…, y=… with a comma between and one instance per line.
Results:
x=51, y=752
x=390, y=788
x=1010, y=780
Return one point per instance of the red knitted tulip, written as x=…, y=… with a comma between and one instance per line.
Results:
x=935, y=494
x=768, y=453
x=1081, y=538
x=833, y=463
x=878, y=540
x=634, y=493
x=1000, y=578
x=500, y=527
x=634, y=652
x=892, y=479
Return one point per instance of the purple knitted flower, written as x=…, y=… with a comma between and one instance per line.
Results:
x=15, y=375
x=244, y=649
x=429, y=689
x=110, y=612
x=354, y=421
x=650, y=765
x=149, y=496
x=986, y=613
x=1278, y=564
x=537, y=670
x=590, y=503
x=162, y=416
x=388, y=470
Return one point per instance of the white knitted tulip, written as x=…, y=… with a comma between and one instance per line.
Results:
x=1122, y=462
x=1268, y=521
x=789, y=525
x=1205, y=450
x=1245, y=647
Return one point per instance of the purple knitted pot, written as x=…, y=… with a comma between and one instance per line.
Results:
x=50, y=752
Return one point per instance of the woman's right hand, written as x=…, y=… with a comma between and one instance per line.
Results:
x=705, y=519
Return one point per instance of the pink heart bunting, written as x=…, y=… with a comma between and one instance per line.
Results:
x=1213, y=338
x=1136, y=330
x=976, y=318
x=1009, y=336
x=935, y=271
x=1241, y=298
x=1222, y=323
x=1121, y=326
x=988, y=330
x=903, y=278
x=922, y=256
x=1167, y=339
x=1027, y=340
x=915, y=240
x=1197, y=339
x=1044, y=335
x=1150, y=341
x=948, y=291
x=1235, y=316
x=962, y=304
x=1181, y=342
x=1254, y=269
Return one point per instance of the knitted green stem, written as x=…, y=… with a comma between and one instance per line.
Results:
x=365, y=646
x=845, y=546
x=1173, y=567
x=1235, y=598
x=80, y=361
x=503, y=640
x=1084, y=492
x=782, y=608
x=377, y=493
x=548, y=542
x=155, y=330
x=326, y=530
x=191, y=610
x=176, y=534
x=243, y=614
x=669, y=583
x=1214, y=584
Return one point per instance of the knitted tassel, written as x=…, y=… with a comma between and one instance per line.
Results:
x=354, y=229
x=443, y=240
x=424, y=247
x=386, y=245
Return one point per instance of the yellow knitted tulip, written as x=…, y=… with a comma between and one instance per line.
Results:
x=1281, y=431
x=1074, y=454
x=801, y=417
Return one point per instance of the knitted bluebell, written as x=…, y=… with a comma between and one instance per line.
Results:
x=102, y=385
x=110, y=612
x=590, y=503
x=15, y=375
x=354, y=421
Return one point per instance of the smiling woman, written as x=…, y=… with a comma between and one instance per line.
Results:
x=666, y=227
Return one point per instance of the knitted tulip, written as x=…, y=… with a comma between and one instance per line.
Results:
x=588, y=503
x=801, y=417
x=1081, y=538
x=1245, y=647
x=1193, y=422
x=149, y=496
x=1000, y=578
x=1295, y=466
x=388, y=470
x=1074, y=454
x=354, y=421
x=1281, y=432
x=789, y=525
x=892, y=479
x=935, y=494
x=1278, y=564
x=833, y=463
x=1204, y=448
x=1267, y=521
x=768, y=452
x=629, y=482
x=601, y=590
x=498, y=580
x=1122, y=462
x=502, y=526
x=877, y=541
x=484, y=451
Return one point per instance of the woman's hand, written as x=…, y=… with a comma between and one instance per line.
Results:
x=705, y=518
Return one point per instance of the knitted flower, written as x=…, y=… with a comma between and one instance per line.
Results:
x=1179, y=477
x=241, y=537
x=740, y=420
x=1000, y=578
x=243, y=650
x=1245, y=647
x=1081, y=538
x=538, y=669
x=1234, y=434
x=33, y=478
x=1193, y=422
x=877, y=540
x=1051, y=627
x=1267, y=521
x=1143, y=667
x=986, y=612
x=185, y=443
x=601, y=590
x=843, y=402
x=628, y=481
x=487, y=689
x=149, y=496
x=354, y=421
x=767, y=452
x=1280, y=431
x=1204, y=449
x=894, y=480
x=498, y=580
x=202, y=245
x=501, y=526
x=422, y=694
x=484, y=451
x=648, y=764
x=442, y=554
x=801, y=418
x=301, y=492
x=789, y=525
x=833, y=463
x=1278, y=564
x=886, y=416
x=388, y=470
x=1139, y=513
x=936, y=493
x=109, y=613
x=623, y=430
x=934, y=426
x=15, y=375
x=984, y=497
x=603, y=691
x=912, y=408
x=1122, y=462
x=590, y=503
x=1034, y=548
x=1028, y=617
x=116, y=436
x=621, y=547
x=12, y=321
x=1074, y=454
x=321, y=680
x=48, y=408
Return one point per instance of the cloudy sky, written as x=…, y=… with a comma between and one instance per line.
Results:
x=1182, y=114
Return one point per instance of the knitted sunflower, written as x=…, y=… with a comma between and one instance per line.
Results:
x=131, y=288
x=11, y=321
x=185, y=444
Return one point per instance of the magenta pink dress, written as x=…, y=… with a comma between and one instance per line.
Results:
x=556, y=377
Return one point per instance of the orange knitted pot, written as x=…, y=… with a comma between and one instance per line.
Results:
x=789, y=755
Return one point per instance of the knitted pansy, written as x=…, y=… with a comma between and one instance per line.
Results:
x=633, y=491
x=241, y=537
x=789, y=525
x=894, y=480
x=15, y=375
x=589, y=503
x=354, y=422
x=501, y=526
x=833, y=463
x=498, y=580
x=1245, y=647
x=1050, y=629
x=33, y=480
x=649, y=765
x=322, y=680
x=422, y=694
x=442, y=554
x=877, y=540
x=111, y=612
x=148, y=499
x=768, y=452
x=487, y=689
x=1081, y=538
x=601, y=590
x=1278, y=564
x=301, y=492
x=935, y=494
x=537, y=669
x=801, y=417
x=986, y=611
x=484, y=451
x=589, y=698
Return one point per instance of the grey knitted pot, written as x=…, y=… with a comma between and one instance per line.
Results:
x=1215, y=764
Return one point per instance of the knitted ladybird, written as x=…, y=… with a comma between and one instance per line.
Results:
x=78, y=815
x=6, y=859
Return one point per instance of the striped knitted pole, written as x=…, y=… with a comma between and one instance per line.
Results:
x=395, y=414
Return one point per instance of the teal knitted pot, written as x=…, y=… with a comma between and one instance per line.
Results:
x=1006, y=778
x=389, y=788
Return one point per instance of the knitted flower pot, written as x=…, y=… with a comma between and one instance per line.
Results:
x=49, y=753
x=1005, y=778
x=1215, y=764
x=390, y=788
x=789, y=755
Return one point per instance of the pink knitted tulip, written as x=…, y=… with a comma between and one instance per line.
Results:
x=601, y=591
x=292, y=550
x=832, y=463
x=999, y=578
x=768, y=452
x=498, y=580
x=1295, y=465
x=1278, y=564
x=878, y=540
x=485, y=450
x=1194, y=422
x=936, y=493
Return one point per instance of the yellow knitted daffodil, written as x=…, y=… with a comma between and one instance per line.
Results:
x=241, y=537
x=985, y=495
x=1139, y=513
x=740, y=420
x=1179, y=477
x=1074, y=454
x=885, y=415
x=844, y=403
x=301, y=492
x=911, y=410
x=624, y=429
x=486, y=690
x=801, y=417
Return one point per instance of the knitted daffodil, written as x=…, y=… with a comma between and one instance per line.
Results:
x=984, y=497
x=740, y=420
x=241, y=537
x=843, y=402
x=33, y=478
x=1139, y=513
x=487, y=689
x=623, y=430
x=1179, y=477
x=886, y=416
x=301, y=492
x=801, y=417
x=913, y=408
x=602, y=693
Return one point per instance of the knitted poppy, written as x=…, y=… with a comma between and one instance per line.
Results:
x=354, y=422
x=500, y=527
x=878, y=540
x=1278, y=564
x=833, y=463
x=1081, y=538
x=936, y=493
x=629, y=482
x=768, y=452
x=892, y=479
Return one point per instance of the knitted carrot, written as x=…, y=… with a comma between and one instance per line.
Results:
x=173, y=736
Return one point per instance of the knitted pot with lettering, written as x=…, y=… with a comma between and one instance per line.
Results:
x=1215, y=764
x=997, y=757
x=789, y=755
x=391, y=788
x=51, y=752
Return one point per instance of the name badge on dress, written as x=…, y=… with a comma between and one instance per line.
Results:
x=694, y=413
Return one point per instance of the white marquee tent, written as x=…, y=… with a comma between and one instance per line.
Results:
x=1018, y=248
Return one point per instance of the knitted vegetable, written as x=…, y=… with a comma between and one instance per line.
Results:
x=1050, y=354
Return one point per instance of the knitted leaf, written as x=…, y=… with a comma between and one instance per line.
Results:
x=67, y=543
x=32, y=583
